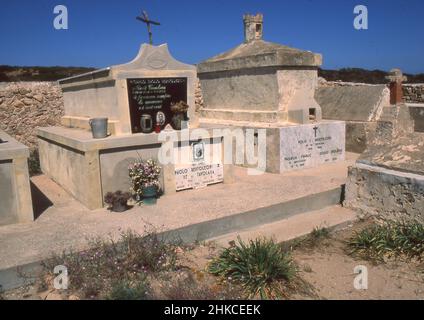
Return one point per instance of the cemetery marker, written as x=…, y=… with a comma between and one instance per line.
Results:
x=145, y=18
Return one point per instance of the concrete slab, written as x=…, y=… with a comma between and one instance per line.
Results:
x=202, y=213
x=15, y=195
x=294, y=227
x=352, y=102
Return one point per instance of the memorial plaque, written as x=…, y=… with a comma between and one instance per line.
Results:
x=197, y=175
x=150, y=101
x=310, y=145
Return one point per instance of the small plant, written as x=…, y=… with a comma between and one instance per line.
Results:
x=312, y=239
x=319, y=233
x=117, y=200
x=144, y=174
x=34, y=167
x=108, y=267
x=259, y=267
x=2, y=297
x=191, y=289
x=179, y=107
x=124, y=290
x=180, y=114
x=389, y=239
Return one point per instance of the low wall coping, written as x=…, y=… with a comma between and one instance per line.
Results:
x=12, y=149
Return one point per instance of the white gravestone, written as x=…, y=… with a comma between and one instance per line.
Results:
x=312, y=144
x=202, y=165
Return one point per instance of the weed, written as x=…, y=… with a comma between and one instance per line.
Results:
x=108, y=264
x=389, y=239
x=125, y=290
x=34, y=167
x=191, y=289
x=259, y=267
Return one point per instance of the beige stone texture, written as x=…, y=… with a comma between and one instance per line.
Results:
x=88, y=168
x=104, y=93
x=15, y=191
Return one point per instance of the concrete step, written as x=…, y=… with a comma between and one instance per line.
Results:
x=293, y=227
x=256, y=218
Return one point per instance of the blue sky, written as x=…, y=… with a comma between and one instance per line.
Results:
x=105, y=32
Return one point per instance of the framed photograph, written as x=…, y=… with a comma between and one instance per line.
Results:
x=198, y=151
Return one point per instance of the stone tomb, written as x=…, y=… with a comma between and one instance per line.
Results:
x=15, y=192
x=127, y=95
x=146, y=85
x=265, y=85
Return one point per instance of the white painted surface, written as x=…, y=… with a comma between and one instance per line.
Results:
x=309, y=145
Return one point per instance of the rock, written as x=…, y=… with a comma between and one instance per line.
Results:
x=54, y=296
x=27, y=101
x=38, y=97
x=18, y=104
x=74, y=297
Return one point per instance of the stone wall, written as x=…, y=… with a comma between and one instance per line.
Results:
x=24, y=106
x=413, y=93
x=385, y=193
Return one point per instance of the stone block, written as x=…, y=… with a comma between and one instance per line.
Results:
x=15, y=191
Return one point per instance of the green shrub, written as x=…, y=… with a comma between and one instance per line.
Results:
x=389, y=239
x=124, y=290
x=259, y=267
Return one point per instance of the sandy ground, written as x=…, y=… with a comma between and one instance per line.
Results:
x=326, y=266
x=331, y=271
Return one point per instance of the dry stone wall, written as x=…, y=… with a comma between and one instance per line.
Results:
x=24, y=106
x=413, y=93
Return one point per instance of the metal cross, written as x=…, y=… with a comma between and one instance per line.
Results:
x=315, y=130
x=144, y=18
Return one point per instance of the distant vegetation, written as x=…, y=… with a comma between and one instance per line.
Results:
x=11, y=73
x=363, y=76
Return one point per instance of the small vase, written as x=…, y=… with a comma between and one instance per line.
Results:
x=177, y=120
x=149, y=195
x=119, y=207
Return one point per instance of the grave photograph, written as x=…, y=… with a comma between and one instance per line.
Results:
x=228, y=151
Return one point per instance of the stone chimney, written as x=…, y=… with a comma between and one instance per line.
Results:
x=253, y=27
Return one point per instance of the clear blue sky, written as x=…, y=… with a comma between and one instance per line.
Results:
x=105, y=32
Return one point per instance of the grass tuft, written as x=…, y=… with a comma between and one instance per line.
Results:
x=390, y=239
x=259, y=266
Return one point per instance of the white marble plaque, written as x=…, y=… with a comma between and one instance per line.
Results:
x=309, y=145
x=197, y=175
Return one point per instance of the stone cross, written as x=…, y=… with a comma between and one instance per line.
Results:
x=145, y=18
x=396, y=78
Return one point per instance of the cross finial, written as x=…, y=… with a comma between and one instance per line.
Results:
x=145, y=18
x=396, y=78
x=396, y=75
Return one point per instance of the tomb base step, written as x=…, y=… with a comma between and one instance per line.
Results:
x=286, y=230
